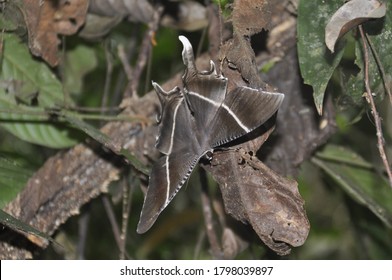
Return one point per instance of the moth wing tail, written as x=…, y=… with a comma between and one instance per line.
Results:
x=168, y=175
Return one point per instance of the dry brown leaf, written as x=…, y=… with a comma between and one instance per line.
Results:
x=349, y=16
x=251, y=16
x=46, y=20
x=254, y=194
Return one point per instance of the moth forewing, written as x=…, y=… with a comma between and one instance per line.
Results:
x=170, y=102
x=168, y=175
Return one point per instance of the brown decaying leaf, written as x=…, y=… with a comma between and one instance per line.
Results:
x=254, y=194
x=350, y=15
x=251, y=16
x=46, y=20
x=239, y=55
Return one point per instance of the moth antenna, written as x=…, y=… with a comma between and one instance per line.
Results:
x=187, y=54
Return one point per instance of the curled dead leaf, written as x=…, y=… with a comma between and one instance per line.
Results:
x=46, y=20
x=350, y=15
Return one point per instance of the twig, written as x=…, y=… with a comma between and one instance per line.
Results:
x=126, y=208
x=214, y=38
x=145, y=50
x=94, y=109
x=216, y=249
x=147, y=83
x=201, y=41
x=124, y=76
x=370, y=100
x=125, y=216
x=380, y=67
x=199, y=243
x=124, y=60
x=112, y=219
x=82, y=233
x=108, y=80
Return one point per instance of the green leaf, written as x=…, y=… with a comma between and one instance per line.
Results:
x=17, y=225
x=102, y=138
x=135, y=162
x=90, y=130
x=78, y=62
x=11, y=17
x=354, y=87
x=343, y=156
x=20, y=67
x=35, y=129
x=25, y=82
x=378, y=245
x=357, y=179
x=13, y=178
x=316, y=62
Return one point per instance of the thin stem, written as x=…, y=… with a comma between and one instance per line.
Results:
x=112, y=219
x=145, y=51
x=44, y=114
x=105, y=118
x=124, y=60
x=108, y=80
x=126, y=208
x=377, y=119
x=93, y=109
x=199, y=244
x=147, y=83
x=208, y=221
x=381, y=68
x=83, y=222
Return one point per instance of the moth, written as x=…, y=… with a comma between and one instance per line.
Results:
x=194, y=121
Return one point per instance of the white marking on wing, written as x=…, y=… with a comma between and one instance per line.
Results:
x=238, y=121
x=167, y=182
x=169, y=152
x=216, y=104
